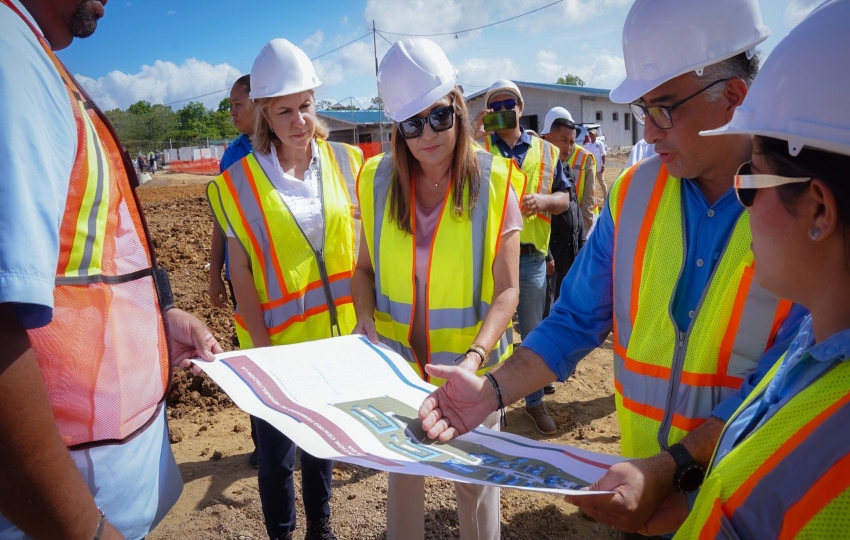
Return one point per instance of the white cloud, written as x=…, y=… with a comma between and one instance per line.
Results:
x=313, y=42
x=481, y=72
x=602, y=71
x=548, y=67
x=797, y=10
x=356, y=59
x=344, y=21
x=163, y=82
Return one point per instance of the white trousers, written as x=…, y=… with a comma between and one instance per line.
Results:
x=478, y=507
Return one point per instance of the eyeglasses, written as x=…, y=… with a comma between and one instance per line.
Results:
x=747, y=184
x=508, y=104
x=440, y=120
x=662, y=115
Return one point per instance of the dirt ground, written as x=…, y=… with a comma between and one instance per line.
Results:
x=211, y=438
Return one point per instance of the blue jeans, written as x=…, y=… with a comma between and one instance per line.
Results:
x=532, y=297
x=276, y=457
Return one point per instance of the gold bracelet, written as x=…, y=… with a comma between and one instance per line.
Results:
x=480, y=351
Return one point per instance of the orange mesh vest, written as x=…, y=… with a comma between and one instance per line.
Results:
x=104, y=357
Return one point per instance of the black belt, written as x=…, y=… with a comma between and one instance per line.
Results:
x=527, y=249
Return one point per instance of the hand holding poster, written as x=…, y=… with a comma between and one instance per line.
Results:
x=349, y=400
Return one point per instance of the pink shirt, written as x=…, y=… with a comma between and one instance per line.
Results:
x=426, y=223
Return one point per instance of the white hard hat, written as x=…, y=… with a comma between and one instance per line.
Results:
x=553, y=114
x=502, y=86
x=799, y=94
x=663, y=39
x=413, y=75
x=281, y=69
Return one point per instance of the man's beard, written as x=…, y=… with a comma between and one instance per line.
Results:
x=84, y=19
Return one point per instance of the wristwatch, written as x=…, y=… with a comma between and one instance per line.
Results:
x=689, y=473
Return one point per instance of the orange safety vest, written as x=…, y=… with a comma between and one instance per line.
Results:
x=104, y=357
x=577, y=160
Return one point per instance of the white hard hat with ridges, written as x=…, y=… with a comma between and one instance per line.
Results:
x=553, y=114
x=413, y=75
x=281, y=69
x=502, y=86
x=800, y=95
x=663, y=39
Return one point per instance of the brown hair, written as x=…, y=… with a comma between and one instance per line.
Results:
x=263, y=137
x=466, y=171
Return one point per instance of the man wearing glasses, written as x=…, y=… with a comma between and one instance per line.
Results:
x=546, y=192
x=668, y=268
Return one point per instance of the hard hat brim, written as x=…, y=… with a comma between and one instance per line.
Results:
x=795, y=142
x=419, y=105
x=257, y=95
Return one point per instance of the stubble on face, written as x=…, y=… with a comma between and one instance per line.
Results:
x=85, y=17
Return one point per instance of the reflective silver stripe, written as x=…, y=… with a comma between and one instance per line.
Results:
x=344, y=162
x=311, y=299
x=253, y=214
x=480, y=214
x=548, y=168
x=691, y=401
x=632, y=206
x=400, y=312
x=91, y=235
x=753, y=331
x=448, y=357
x=405, y=352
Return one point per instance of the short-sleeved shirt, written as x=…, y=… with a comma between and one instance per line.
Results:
x=134, y=483
x=598, y=149
x=560, y=182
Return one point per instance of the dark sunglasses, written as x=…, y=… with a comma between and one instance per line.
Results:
x=440, y=120
x=747, y=184
x=508, y=104
x=662, y=115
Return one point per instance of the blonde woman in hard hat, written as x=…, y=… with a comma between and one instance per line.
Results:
x=288, y=217
x=437, y=273
x=781, y=468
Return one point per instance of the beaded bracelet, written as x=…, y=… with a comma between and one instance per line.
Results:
x=498, y=388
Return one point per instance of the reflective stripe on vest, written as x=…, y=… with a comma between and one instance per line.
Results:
x=104, y=356
x=667, y=382
x=304, y=294
x=463, y=252
x=789, y=477
x=578, y=160
x=539, y=168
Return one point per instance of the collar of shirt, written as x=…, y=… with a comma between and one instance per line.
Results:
x=28, y=17
x=520, y=148
x=309, y=175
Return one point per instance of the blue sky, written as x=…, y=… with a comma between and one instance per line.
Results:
x=165, y=51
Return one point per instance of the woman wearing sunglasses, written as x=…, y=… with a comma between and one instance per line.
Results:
x=287, y=215
x=781, y=468
x=437, y=280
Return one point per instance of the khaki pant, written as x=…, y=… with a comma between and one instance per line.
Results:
x=478, y=507
x=601, y=193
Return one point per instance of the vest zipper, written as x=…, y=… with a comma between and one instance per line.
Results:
x=326, y=284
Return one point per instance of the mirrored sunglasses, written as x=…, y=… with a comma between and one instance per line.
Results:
x=507, y=104
x=440, y=120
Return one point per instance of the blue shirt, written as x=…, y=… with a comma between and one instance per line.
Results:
x=582, y=317
x=559, y=183
x=238, y=149
x=804, y=363
x=133, y=483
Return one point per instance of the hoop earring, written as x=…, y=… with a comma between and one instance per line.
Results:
x=814, y=233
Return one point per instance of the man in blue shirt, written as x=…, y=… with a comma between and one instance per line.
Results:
x=695, y=93
x=552, y=197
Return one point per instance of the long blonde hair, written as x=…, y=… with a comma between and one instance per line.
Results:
x=466, y=171
x=263, y=137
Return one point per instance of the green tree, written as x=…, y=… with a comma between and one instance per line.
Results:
x=224, y=105
x=323, y=105
x=571, y=80
x=377, y=103
x=139, y=108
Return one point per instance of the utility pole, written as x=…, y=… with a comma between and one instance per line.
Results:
x=381, y=105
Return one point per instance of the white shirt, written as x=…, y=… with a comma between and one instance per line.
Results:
x=641, y=150
x=598, y=150
x=301, y=196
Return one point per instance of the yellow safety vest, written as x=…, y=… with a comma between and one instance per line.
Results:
x=461, y=285
x=305, y=294
x=790, y=476
x=578, y=161
x=539, y=168
x=668, y=382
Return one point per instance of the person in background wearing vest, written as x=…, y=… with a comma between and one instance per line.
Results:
x=575, y=158
x=152, y=162
x=440, y=237
x=85, y=361
x=669, y=266
x=292, y=193
x=781, y=468
x=599, y=150
x=545, y=193
x=242, y=114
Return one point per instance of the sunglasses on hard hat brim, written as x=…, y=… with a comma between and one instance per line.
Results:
x=747, y=184
x=440, y=119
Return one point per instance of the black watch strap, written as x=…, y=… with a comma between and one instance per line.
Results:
x=689, y=473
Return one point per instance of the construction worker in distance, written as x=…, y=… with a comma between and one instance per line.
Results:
x=668, y=268
x=88, y=328
x=437, y=272
x=781, y=468
x=545, y=193
x=286, y=211
x=580, y=161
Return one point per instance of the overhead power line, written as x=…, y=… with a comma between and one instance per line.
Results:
x=456, y=32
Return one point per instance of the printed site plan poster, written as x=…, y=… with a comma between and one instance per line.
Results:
x=349, y=400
